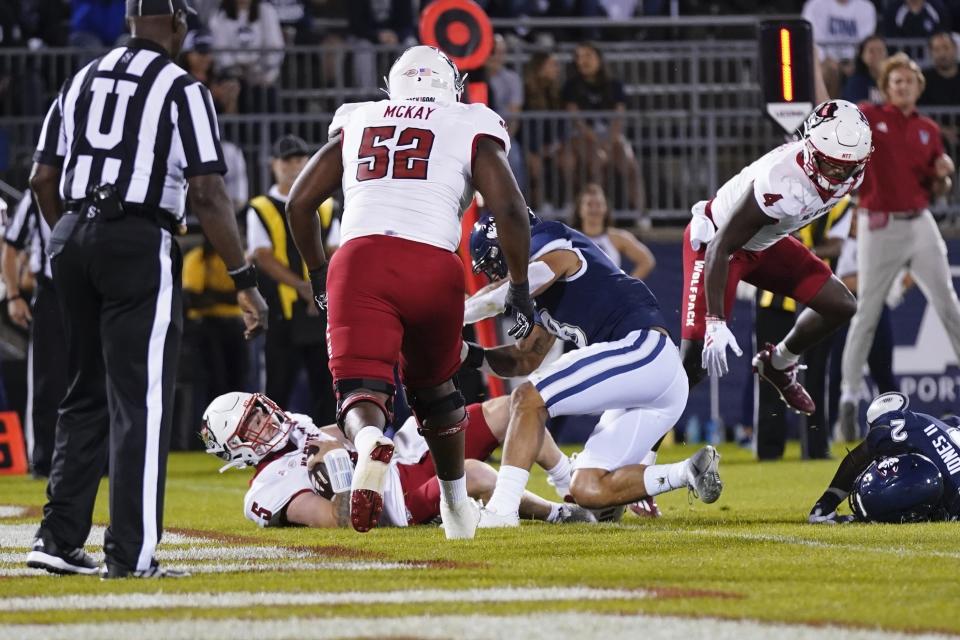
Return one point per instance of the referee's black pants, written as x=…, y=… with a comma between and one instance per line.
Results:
x=118, y=283
x=47, y=375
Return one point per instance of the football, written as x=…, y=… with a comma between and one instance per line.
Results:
x=317, y=470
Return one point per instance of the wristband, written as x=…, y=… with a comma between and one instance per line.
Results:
x=710, y=316
x=476, y=356
x=339, y=469
x=245, y=277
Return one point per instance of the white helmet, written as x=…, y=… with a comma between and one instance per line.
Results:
x=838, y=134
x=424, y=73
x=242, y=428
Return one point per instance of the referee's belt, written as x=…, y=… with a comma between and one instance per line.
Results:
x=877, y=220
x=909, y=214
x=158, y=217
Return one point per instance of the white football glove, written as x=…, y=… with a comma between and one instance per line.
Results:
x=715, y=344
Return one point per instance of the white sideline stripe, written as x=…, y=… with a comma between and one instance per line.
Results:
x=262, y=599
x=196, y=554
x=237, y=567
x=11, y=511
x=20, y=536
x=553, y=626
x=821, y=544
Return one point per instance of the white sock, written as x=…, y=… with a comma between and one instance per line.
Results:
x=554, y=512
x=660, y=478
x=454, y=491
x=649, y=459
x=511, y=481
x=366, y=437
x=560, y=475
x=781, y=358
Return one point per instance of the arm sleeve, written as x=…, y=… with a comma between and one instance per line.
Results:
x=272, y=40
x=198, y=131
x=617, y=94
x=52, y=146
x=257, y=235
x=18, y=230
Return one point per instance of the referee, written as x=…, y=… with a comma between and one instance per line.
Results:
x=46, y=376
x=119, y=147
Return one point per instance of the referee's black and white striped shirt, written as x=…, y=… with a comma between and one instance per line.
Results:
x=28, y=231
x=135, y=119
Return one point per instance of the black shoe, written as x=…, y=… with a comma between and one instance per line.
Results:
x=50, y=556
x=111, y=571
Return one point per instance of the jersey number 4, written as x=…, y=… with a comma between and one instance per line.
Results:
x=409, y=162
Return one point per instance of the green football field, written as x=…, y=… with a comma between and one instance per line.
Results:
x=745, y=567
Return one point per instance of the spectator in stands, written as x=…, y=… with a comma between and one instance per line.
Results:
x=97, y=23
x=296, y=20
x=862, y=85
x=249, y=44
x=838, y=27
x=599, y=141
x=915, y=19
x=214, y=328
x=196, y=55
x=372, y=23
x=542, y=138
x=506, y=98
x=943, y=79
x=592, y=216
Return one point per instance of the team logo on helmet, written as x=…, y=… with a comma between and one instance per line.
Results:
x=827, y=111
x=888, y=466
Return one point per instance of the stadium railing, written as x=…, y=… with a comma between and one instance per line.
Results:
x=693, y=117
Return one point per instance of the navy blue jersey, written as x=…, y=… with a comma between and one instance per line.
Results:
x=939, y=440
x=600, y=303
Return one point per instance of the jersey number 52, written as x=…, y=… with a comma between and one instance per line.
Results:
x=411, y=154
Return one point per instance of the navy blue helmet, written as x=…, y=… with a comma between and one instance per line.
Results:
x=903, y=488
x=486, y=255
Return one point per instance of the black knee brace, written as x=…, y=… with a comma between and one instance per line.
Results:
x=355, y=390
x=439, y=409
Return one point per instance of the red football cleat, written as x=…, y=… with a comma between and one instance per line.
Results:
x=369, y=478
x=785, y=381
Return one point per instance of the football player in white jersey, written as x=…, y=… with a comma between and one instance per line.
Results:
x=303, y=472
x=744, y=233
x=408, y=166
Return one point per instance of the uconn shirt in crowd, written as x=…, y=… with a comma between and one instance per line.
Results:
x=134, y=119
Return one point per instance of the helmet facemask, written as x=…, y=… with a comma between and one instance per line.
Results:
x=263, y=428
x=837, y=143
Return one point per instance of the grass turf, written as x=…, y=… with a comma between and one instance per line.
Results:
x=752, y=548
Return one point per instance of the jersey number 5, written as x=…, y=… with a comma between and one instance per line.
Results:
x=409, y=162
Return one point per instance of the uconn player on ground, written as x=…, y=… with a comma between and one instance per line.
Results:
x=907, y=469
x=303, y=472
x=744, y=233
x=408, y=165
x=625, y=367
